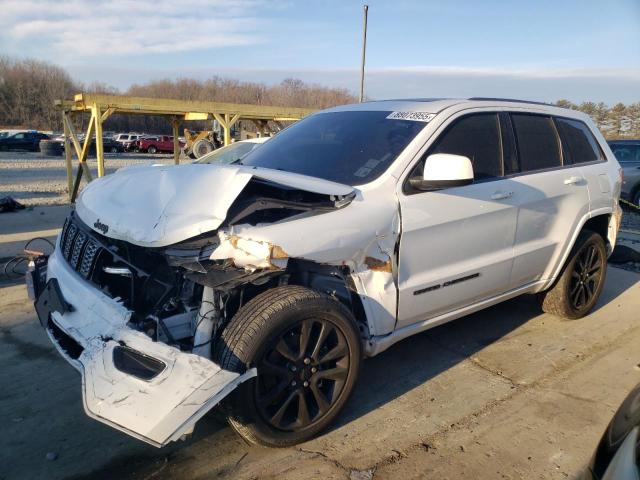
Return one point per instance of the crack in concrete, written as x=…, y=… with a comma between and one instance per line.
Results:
x=344, y=468
x=474, y=360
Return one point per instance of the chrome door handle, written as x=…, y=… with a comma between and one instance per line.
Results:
x=501, y=195
x=572, y=180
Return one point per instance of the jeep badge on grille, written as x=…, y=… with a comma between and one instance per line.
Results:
x=101, y=226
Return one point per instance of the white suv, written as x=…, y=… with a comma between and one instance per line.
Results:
x=126, y=137
x=266, y=280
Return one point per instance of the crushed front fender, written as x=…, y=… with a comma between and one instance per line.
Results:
x=157, y=406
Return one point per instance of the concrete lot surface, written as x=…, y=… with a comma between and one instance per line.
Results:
x=504, y=393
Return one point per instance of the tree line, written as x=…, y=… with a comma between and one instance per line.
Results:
x=28, y=89
x=619, y=121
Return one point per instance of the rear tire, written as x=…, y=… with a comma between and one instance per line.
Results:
x=306, y=348
x=581, y=281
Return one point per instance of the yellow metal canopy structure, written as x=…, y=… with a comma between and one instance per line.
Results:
x=102, y=107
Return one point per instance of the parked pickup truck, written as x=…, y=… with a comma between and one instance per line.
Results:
x=162, y=143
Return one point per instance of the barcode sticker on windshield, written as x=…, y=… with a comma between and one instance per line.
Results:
x=413, y=116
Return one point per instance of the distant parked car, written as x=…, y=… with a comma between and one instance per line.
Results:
x=7, y=133
x=108, y=144
x=628, y=154
x=126, y=138
x=23, y=141
x=232, y=153
x=162, y=143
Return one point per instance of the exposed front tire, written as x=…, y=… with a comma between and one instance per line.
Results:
x=306, y=348
x=635, y=199
x=577, y=290
x=152, y=149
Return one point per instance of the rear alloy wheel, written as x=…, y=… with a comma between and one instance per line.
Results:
x=114, y=150
x=581, y=281
x=152, y=149
x=307, y=352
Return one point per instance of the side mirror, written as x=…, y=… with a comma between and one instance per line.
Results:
x=444, y=170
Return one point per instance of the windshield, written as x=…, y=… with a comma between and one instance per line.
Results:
x=228, y=154
x=346, y=147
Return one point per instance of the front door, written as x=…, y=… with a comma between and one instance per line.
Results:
x=456, y=245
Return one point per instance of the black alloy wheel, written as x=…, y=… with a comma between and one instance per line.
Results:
x=585, y=277
x=577, y=289
x=303, y=373
x=306, y=348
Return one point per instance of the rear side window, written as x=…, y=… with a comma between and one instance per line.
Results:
x=579, y=141
x=478, y=138
x=626, y=153
x=537, y=142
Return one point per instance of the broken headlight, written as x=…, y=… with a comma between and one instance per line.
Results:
x=192, y=254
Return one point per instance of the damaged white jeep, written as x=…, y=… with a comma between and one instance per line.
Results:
x=264, y=282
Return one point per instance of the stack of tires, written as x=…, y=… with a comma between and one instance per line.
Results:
x=51, y=148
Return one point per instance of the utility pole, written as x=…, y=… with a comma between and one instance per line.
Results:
x=364, y=50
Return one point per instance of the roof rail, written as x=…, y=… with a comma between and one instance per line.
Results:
x=492, y=99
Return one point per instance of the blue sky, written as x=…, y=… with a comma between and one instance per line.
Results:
x=542, y=50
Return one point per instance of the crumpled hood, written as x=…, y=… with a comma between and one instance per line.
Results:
x=155, y=206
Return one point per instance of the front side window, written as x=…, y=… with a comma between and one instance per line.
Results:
x=537, y=142
x=579, y=140
x=350, y=147
x=476, y=137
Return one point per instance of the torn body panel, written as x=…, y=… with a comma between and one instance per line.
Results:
x=348, y=237
x=157, y=411
x=184, y=239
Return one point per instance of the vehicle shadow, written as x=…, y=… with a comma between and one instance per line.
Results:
x=420, y=358
x=384, y=378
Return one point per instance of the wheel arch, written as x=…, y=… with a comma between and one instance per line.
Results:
x=599, y=221
x=332, y=280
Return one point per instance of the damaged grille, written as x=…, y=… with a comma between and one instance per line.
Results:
x=95, y=257
x=78, y=248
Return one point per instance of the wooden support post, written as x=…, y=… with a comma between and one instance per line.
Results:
x=83, y=168
x=67, y=152
x=175, y=124
x=97, y=118
x=107, y=113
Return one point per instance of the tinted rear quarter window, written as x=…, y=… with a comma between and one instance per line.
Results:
x=537, y=142
x=579, y=141
x=478, y=138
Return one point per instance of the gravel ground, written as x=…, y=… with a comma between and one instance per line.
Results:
x=36, y=179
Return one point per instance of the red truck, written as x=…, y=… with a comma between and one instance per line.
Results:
x=161, y=143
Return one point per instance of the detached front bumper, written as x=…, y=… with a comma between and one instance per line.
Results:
x=147, y=389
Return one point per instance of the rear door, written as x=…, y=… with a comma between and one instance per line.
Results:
x=553, y=198
x=456, y=246
x=583, y=151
